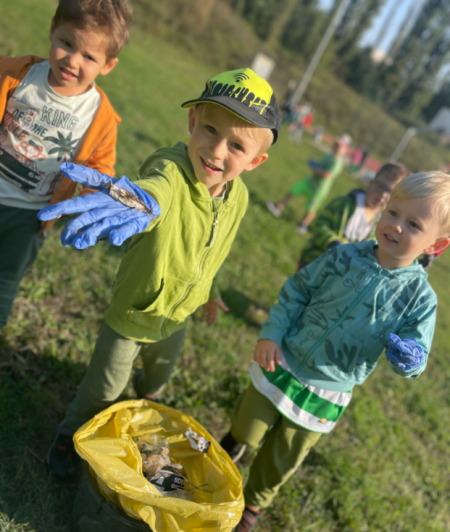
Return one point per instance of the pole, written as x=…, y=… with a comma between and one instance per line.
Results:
x=300, y=90
x=410, y=132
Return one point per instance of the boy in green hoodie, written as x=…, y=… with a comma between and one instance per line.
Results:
x=188, y=203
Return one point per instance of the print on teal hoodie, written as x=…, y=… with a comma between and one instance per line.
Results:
x=334, y=316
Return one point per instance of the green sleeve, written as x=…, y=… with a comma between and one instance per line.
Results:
x=215, y=290
x=329, y=226
x=155, y=180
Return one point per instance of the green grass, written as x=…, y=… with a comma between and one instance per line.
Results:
x=383, y=469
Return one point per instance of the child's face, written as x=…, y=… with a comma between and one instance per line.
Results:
x=76, y=58
x=378, y=192
x=220, y=152
x=406, y=229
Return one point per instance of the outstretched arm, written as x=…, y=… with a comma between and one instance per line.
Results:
x=118, y=210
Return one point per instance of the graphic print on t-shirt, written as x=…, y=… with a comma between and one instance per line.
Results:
x=20, y=150
x=39, y=131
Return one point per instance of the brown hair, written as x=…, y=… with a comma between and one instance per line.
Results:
x=393, y=171
x=111, y=17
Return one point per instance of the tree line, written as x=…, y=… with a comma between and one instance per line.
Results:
x=410, y=81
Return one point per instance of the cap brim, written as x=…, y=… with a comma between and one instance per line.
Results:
x=237, y=108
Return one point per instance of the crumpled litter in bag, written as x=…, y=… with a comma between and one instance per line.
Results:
x=106, y=442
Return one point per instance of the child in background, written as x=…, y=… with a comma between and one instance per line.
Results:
x=171, y=265
x=50, y=112
x=314, y=188
x=353, y=217
x=332, y=322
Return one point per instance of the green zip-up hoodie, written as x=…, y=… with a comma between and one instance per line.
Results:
x=169, y=269
x=334, y=316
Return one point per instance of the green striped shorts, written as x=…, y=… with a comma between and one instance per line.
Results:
x=305, y=405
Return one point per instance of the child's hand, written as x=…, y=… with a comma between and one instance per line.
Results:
x=211, y=310
x=118, y=210
x=267, y=353
x=404, y=354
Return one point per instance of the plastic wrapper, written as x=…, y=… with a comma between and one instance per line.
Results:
x=107, y=444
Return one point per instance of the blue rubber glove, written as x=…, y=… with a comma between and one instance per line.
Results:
x=103, y=215
x=313, y=164
x=406, y=355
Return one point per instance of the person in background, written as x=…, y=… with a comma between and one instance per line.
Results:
x=314, y=188
x=352, y=217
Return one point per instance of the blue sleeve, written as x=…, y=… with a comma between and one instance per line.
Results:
x=295, y=295
x=419, y=327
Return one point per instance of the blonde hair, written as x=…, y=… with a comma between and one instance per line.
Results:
x=433, y=186
x=264, y=135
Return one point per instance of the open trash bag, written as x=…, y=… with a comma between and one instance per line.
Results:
x=107, y=444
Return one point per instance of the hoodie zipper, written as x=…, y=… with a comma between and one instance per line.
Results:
x=338, y=323
x=214, y=231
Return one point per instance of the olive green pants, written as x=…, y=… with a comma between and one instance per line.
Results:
x=284, y=446
x=110, y=368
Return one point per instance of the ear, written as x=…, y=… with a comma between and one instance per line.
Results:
x=109, y=66
x=192, y=119
x=52, y=28
x=439, y=245
x=257, y=161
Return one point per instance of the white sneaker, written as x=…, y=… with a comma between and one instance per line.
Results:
x=273, y=209
x=301, y=229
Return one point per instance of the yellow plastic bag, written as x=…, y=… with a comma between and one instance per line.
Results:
x=106, y=443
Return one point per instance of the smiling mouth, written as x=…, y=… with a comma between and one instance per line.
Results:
x=210, y=165
x=390, y=238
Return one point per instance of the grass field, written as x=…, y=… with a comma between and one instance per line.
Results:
x=383, y=469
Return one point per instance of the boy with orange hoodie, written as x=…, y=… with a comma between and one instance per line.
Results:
x=52, y=112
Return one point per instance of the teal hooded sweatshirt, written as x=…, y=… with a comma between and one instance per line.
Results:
x=334, y=316
x=170, y=268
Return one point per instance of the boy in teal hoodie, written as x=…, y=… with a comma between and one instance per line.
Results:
x=333, y=320
x=184, y=211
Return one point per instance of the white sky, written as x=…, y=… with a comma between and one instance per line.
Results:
x=406, y=10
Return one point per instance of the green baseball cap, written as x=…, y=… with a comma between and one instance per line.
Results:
x=245, y=94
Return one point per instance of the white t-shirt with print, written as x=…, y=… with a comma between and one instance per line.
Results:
x=40, y=130
x=358, y=228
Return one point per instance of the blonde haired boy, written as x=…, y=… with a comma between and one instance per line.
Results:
x=171, y=265
x=333, y=320
x=51, y=112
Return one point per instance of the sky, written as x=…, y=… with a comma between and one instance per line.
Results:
x=369, y=37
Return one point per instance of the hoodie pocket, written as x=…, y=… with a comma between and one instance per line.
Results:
x=152, y=315
x=174, y=302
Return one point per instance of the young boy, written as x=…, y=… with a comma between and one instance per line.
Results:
x=171, y=265
x=52, y=112
x=353, y=217
x=333, y=320
x=314, y=188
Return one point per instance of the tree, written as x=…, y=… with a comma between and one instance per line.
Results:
x=356, y=20
x=408, y=82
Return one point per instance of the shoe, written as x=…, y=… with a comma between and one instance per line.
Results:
x=148, y=396
x=301, y=229
x=62, y=459
x=273, y=209
x=234, y=449
x=248, y=520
